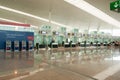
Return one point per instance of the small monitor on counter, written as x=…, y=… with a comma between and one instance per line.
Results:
x=55, y=33
x=43, y=32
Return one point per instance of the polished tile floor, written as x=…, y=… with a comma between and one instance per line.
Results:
x=116, y=76
x=60, y=64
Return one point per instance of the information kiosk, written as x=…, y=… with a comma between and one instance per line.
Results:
x=8, y=46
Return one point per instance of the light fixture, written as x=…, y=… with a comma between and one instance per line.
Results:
x=23, y=13
x=33, y=16
x=85, y=6
x=9, y=20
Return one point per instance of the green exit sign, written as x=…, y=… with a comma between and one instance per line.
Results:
x=115, y=5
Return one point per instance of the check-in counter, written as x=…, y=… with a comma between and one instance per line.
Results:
x=41, y=46
x=54, y=45
x=67, y=45
x=73, y=44
x=98, y=44
x=105, y=44
x=82, y=44
x=87, y=44
x=94, y=44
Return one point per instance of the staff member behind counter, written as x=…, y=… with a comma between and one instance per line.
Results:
x=52, y=41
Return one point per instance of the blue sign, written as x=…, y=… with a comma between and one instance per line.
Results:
x=14, y=36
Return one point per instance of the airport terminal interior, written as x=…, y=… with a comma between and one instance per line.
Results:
x=59, y=39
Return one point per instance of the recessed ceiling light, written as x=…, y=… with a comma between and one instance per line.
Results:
x=23, y=13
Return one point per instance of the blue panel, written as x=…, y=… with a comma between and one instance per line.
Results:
x=14, y=35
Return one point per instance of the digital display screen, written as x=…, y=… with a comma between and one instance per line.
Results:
x=57, y=33
x=43, y=32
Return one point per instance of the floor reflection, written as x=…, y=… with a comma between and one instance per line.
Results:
x=85, y=61
x=78, y=57
x=15, y=61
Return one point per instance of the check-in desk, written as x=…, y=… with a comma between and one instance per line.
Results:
x=41, y=46
x=66, y=45
x=54, y=45
x=98, y=44
x=105, y=44
x=87, y=44
x=94, y=44
x=82, y=44
x=73, y=44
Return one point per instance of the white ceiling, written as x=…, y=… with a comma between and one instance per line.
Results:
x=62, y=12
